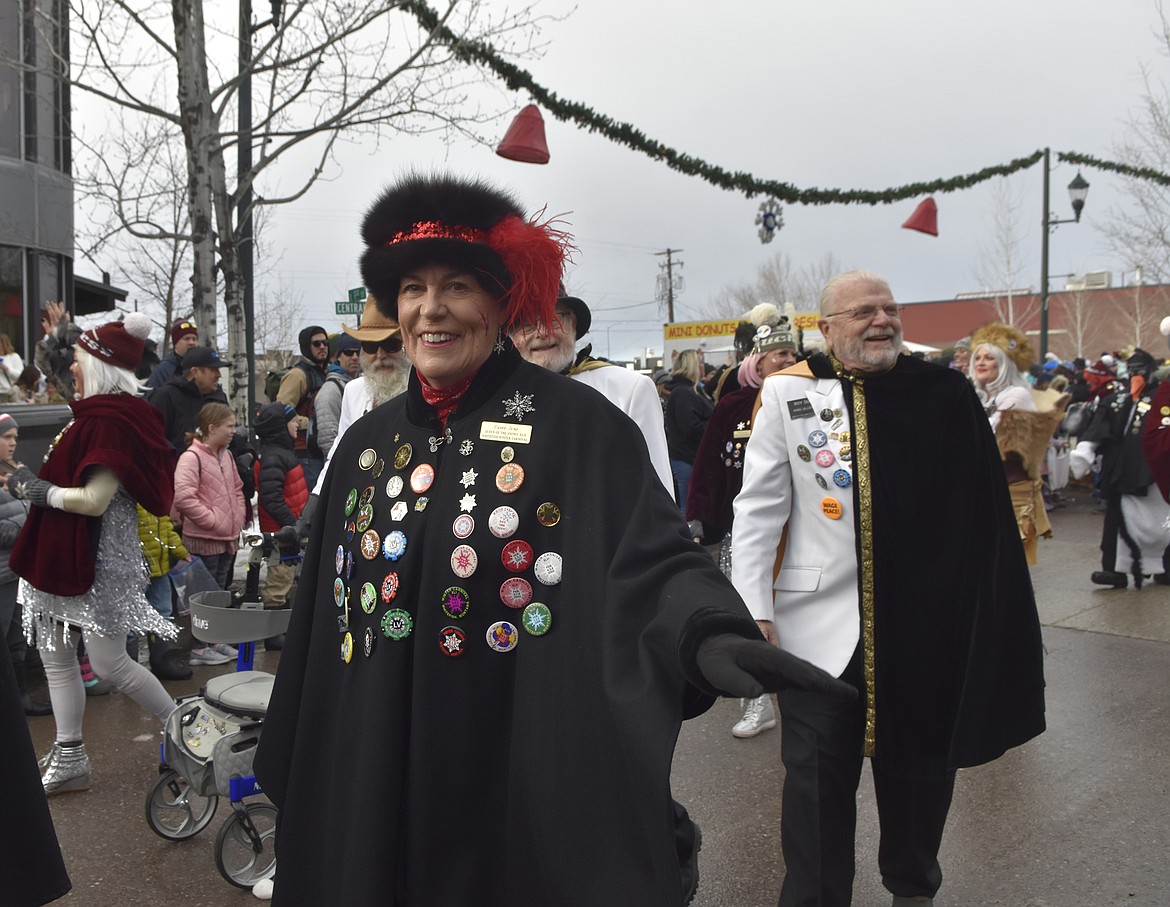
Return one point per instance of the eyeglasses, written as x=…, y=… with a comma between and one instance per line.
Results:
x=867, y=313
x=318, y=343
x=352, y=352
x=390, y=345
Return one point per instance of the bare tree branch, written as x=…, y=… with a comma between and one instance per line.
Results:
x=330, y=71
x=1002, y=261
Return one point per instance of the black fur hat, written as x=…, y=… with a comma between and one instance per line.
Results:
x=442, y=219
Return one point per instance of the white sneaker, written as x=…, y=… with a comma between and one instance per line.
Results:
x=224, y=649
x=758, y=717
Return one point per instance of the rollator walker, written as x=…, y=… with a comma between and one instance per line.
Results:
x=209, y=743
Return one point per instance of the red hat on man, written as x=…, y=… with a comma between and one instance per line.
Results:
x=119, y=343
x=181, y=328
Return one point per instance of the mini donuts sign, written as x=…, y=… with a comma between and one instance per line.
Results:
x=718, y=337
x=709, y=336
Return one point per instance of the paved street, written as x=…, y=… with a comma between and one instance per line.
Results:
x=1077, y=817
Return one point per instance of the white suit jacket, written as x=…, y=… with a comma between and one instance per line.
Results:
x=636, y=396
x=355, y=403
x=813, y=600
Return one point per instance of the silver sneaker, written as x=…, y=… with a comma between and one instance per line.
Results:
x=67, y=770
x=758, y=717
x=207, y=656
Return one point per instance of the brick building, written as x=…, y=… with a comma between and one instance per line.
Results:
x=1081, y=322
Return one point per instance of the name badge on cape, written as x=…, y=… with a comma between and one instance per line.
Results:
x=800, y=409
x=505, y=431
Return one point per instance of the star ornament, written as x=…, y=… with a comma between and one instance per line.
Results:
x=469, y=478
x=518, y=406
x=467, y=503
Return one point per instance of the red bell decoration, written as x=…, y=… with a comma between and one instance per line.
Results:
x=524, y=140
x=924, y=219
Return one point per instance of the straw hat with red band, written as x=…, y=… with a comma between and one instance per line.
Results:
x=425, y=220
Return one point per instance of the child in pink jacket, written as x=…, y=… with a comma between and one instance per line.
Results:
x=209, y=502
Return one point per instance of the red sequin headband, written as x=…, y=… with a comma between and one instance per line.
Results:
x=433, y=229
x=533, y=254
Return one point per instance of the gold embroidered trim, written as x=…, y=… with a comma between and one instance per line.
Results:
x=865, y=529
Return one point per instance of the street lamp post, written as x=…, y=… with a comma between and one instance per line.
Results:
x=1078, y=189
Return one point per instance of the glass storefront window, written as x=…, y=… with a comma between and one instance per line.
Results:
x=12, y=296
x=9, y=81
x=46, y=102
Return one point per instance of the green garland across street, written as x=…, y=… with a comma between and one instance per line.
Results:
x=626, y=134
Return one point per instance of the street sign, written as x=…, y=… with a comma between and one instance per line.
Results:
x=355, y=305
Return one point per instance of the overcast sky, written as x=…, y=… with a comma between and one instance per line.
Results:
x=836, y=93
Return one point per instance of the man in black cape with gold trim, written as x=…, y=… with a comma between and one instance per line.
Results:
x=874, y=537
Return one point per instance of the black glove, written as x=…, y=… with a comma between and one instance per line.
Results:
x=738, y=666
x=305, y=523
x=286, y=537
x=23, y=484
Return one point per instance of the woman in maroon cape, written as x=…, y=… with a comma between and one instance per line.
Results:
x=78, y=554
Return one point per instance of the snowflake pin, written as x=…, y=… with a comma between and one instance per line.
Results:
x=518, y=406
x=445, y=438
x=467, y=503
x=467, y=481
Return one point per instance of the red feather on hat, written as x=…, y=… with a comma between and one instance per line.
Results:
x=534, y=254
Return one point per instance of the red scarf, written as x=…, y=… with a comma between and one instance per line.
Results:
x=445, y=400
x=55, y=550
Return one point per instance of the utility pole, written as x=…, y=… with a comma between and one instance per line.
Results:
x=666, y=284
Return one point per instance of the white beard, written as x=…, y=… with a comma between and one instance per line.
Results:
x=386, y=382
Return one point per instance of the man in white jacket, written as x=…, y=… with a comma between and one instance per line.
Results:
x=633, y=393
x=855, y=549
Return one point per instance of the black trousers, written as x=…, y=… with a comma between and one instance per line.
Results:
x=822, y=743
x=1110, y=525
